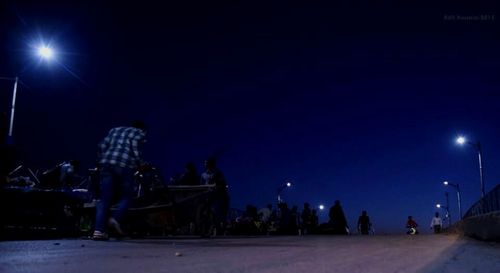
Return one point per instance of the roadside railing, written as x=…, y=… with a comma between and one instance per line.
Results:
x=489, y=203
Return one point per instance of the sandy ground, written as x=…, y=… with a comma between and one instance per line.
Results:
x=390, y=253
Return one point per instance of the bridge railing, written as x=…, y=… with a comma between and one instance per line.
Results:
x=489, y=203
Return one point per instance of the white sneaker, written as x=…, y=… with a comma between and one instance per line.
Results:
x=100, y=236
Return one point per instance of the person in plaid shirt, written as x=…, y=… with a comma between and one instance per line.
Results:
x=118, y=156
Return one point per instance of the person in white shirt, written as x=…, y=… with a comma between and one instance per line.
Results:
x=436, y=223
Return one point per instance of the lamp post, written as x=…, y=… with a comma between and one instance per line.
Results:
x=459, y=200
x=45, y=53
x=13, y=107
x=285, y=185
x=447, y=210
x=461, y=140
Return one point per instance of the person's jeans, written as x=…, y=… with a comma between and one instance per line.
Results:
x=114, y=180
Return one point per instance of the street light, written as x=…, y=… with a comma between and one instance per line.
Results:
x=321, y=207
x=45, y=53
x=461, y=140
x=285, y=185
x=459, y=200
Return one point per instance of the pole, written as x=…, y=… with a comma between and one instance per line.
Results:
x=448, y=209
x=459, y=202
x=481, y=174
x=12, y=110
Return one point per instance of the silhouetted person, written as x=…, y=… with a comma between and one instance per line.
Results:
x=63, y=175
x=190, y=176
x=69, y=174
x=119, y=155
x=411, y=225
x=314, y=221
x=364, y=223
x=220, y=199
x=337, y=219
x=436, y=223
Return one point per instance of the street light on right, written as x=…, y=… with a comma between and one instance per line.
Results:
x=457, y=187
x=461, y=140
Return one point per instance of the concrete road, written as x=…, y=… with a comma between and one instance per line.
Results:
x=306, y=254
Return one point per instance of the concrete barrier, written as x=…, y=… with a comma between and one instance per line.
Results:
x=484, y=227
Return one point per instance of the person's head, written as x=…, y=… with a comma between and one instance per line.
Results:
x=436, y=214
x=410, y=218
x=364, y=213
x=306, y=205
x=210, y=164
x=337, y=203
x=139, y=124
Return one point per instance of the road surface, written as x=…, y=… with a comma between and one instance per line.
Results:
x=305, y=254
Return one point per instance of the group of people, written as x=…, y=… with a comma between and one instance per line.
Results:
x=291, y=221
x=282, y=220
x=120, y=156
x=436, y=224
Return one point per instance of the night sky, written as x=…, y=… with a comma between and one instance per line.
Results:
x=356, y=103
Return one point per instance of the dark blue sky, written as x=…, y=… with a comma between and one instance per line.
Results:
x=359, y=104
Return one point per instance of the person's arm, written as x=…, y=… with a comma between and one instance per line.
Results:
x=103, y=146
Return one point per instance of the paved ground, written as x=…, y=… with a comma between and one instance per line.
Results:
x=306, y=254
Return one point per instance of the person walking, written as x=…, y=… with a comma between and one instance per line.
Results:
x=437, y=223
x=219, y=200
x=364, y=223
x=338, y=220
x=119, y=155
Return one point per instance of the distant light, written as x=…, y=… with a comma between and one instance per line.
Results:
x=45, y=52
x=461, y=140
x=446, y=183
x=288, y=184
x=438, y=206
x=321, y=207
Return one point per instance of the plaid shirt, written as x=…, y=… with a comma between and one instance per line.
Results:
x=121, y=147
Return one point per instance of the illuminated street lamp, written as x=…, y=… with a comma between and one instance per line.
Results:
x=285, y=185
x=459, y=200
x=321, y=207
x=461, y=140
x=45, y=53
